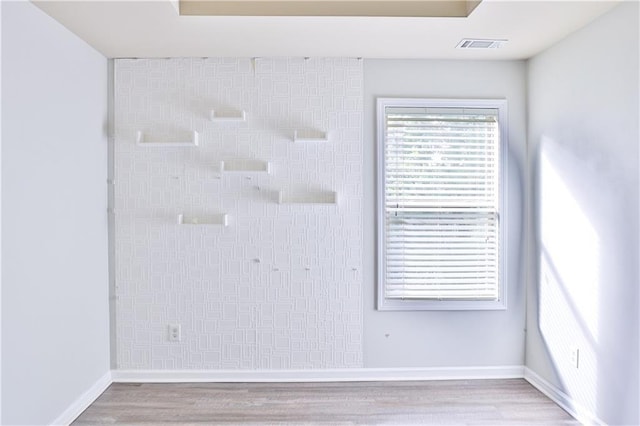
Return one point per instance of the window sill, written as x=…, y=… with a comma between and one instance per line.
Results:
x=440, y=305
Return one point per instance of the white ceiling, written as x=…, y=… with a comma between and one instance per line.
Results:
x=155, y=29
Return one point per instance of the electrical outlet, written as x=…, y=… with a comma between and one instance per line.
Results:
x=575, y=356
x=174, y=333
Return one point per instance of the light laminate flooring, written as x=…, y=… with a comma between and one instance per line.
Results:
x=450, y=402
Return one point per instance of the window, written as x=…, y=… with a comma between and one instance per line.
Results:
x=440, y=235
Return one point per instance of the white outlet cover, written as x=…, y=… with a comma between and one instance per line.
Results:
x=575, y=356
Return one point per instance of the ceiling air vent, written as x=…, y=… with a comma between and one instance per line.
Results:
x=479, y=43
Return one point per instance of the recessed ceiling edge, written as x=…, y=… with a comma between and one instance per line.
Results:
x=355, y=8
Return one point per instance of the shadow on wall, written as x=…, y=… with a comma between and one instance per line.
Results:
x=516, y=238
x=587, y=282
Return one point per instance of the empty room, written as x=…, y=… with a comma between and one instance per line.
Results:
x=320, y=212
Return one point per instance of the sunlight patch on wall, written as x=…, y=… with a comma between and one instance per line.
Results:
x=570, y=242
x=569, y=277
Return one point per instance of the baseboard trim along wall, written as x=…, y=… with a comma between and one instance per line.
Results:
x=330, y=375
x=86, y=399
x=580, y=413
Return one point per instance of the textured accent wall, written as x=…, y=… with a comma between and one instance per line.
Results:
x=280, y=286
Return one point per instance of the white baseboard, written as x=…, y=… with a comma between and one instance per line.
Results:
x=580, y=413
x=86, y=399
x=329, y=375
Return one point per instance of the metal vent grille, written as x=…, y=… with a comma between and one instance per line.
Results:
x=478, y=43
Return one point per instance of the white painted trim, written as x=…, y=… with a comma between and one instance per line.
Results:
x=87, y=398
x=330, y=375
x=583, y=415
x=392, y=304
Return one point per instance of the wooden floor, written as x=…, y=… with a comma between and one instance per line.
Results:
x=460, y=402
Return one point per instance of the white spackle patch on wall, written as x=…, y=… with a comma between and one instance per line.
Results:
x=280, y=286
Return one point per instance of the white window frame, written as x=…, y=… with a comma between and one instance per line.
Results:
x=389, y=304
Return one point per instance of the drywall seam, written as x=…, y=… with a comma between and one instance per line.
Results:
x=111, y=220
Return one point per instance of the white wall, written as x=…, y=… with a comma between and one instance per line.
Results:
x=55, y=336
x=280, y=287
x=436, y=339
x=583, y=150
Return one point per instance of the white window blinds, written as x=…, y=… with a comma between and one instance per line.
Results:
x=441, y=177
